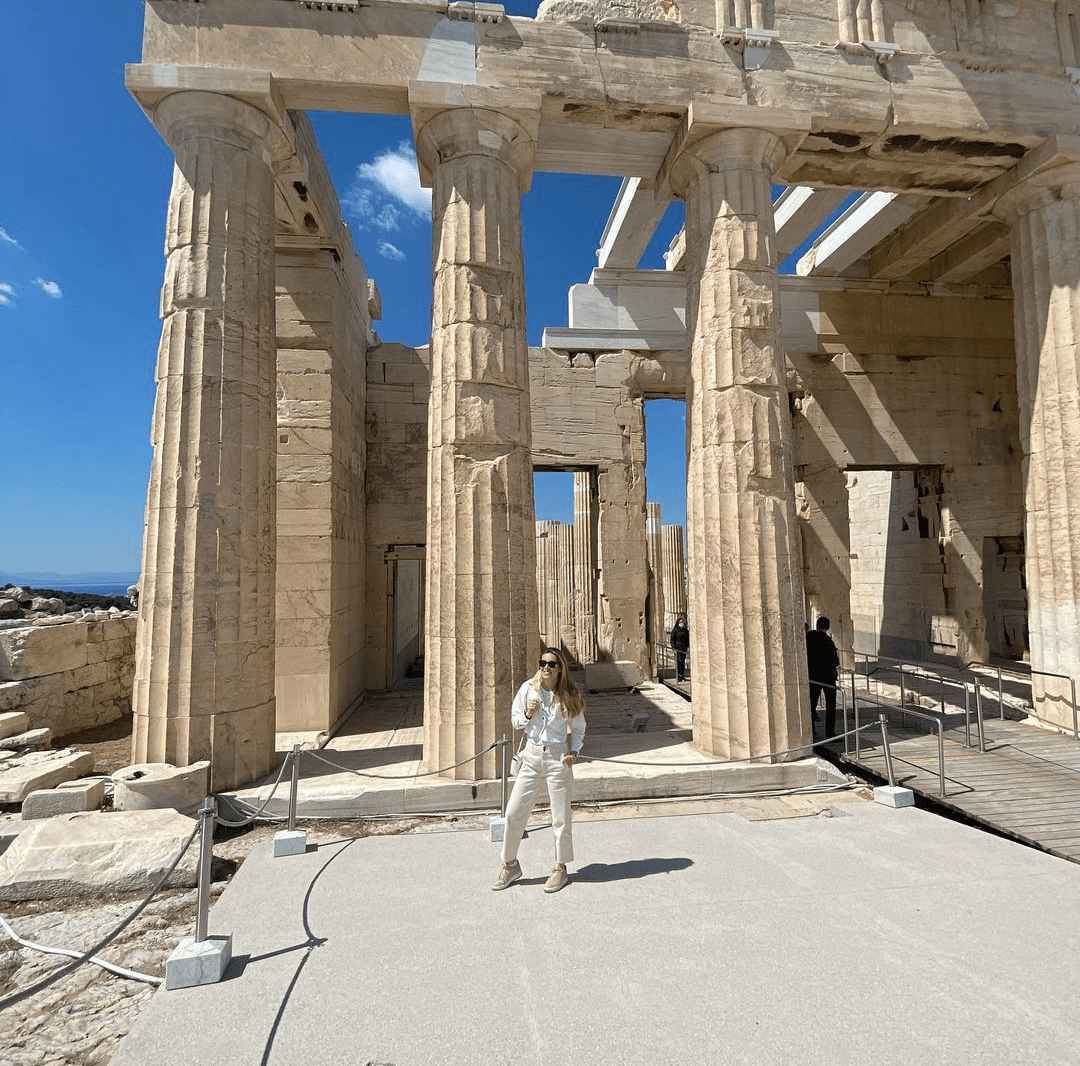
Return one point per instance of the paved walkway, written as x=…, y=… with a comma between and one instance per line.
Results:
x=826, y=930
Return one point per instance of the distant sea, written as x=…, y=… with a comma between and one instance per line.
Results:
x=93, y=584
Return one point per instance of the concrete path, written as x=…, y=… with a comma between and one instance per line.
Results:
x=860, y=935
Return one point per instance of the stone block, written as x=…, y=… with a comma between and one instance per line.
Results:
x=290, y=842
x=13, y=722
x=612, y=676
x=150, y=786
x=32, y=740
x=95, y=852
x=198, y=962
x=69, y=797
x=38, y=770
x=894, y=796
x=38, y=650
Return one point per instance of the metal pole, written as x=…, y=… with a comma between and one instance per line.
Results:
x=295, y=768
x=967, y=716
x=207, y=814
x=1072, y=682
x=858, y=735
x=885, y=750
x=979, y=716
x=1001, y=698
x=941, y=760
x=903, y=697
x=504, y=743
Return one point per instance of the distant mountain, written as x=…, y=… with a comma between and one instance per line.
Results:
x=50, y=579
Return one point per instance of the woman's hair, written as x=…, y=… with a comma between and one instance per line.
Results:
x=573, y=702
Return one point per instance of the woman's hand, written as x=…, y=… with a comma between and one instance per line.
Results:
x=532, y=706
x=569, y=758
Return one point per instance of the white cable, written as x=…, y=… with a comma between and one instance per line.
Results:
x=120, y=971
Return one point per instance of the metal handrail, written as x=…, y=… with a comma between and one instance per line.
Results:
x=917, y=714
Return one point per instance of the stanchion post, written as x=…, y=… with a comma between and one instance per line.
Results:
x=294, y=785
x=292, y=841
x=206, y=857
x=891, y=795
x=201, y=959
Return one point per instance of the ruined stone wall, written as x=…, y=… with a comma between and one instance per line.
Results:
x=322, y=333
x=395, y=488
x=69, y=676
x=931, y=390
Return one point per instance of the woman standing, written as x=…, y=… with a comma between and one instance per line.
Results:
x=551, y=710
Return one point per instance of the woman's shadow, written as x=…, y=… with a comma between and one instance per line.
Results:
x=598, y=872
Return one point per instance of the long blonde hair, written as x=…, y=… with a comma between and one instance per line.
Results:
x=566, y=692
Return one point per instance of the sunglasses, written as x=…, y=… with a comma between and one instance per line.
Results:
x=545, y=663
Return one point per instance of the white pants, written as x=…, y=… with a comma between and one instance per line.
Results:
x=541, y=765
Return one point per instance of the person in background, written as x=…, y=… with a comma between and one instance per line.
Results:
x=822, y=667
x=680, y=641
x=551, y=710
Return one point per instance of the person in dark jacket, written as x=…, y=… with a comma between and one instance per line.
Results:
x=823, y=666
x=680, y=641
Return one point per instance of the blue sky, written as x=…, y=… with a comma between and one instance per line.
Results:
x=83, y=194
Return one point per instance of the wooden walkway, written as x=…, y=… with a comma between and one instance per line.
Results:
x=1026, y=785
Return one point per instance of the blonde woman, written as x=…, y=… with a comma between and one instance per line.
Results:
x=551, y=710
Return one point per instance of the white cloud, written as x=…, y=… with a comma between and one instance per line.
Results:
x=381, y=188
x=7, y=238
x=387, y=250
x=49, y=287
x=6, y=293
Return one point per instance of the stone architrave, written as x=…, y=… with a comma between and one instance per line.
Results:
x=746, y=601
x=481, y=632
x=1044, y=213
x=204, y=676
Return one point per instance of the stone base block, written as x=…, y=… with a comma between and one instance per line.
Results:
x=612, y=677
x=290, y=842
x=198, y=962
x=497, y=829
x=32, y=740
x=69, y=797
x=894, y=796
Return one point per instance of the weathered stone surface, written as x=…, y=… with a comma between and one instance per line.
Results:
x=32, y=739
x=149, y=786
x=22, y=775
x=69, y=797
x=94, y=852
x=9, y=608
x=13, y=722
x=36, y=650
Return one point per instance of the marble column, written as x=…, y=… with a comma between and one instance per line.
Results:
x=585, y=509
x=674, y=576
x=482, y=638
x=746, y=603
x=1044, y=213
x=654, y=556
x=204, y=674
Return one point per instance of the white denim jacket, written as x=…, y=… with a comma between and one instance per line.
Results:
x=549, y=725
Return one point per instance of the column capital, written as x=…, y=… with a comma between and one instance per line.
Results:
x=451, y=121
x=712, y=135
x=244, y=103
x=1055, y=178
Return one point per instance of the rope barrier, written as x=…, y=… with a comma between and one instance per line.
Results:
x=88, y=956
x=266, y=802
x=404, y=777
x=120, y=971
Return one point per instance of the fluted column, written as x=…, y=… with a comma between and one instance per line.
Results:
x=1044, y=213
x=204, y=676
x=481, y=636
x=747, y=652
x=654, y=555
x=674, y=576
x=585, y=508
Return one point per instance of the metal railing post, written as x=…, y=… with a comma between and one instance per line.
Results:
x=295, y=785
x=1072, y=683
x=207, y=814
x=903, y=696
x=885, y=750
x=941, y=759
x=1001, y=698
x=504, y=744
x=979, y=716
x=967, y=716
x=858, y=735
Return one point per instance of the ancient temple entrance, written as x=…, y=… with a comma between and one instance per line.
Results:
x=405, y=585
